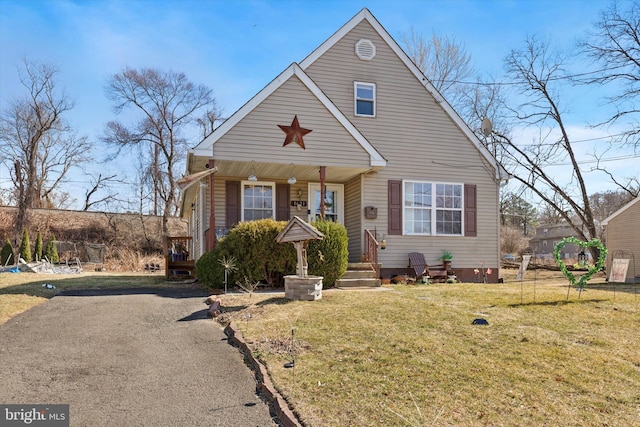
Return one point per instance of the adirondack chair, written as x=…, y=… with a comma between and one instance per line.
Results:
x=421, y=268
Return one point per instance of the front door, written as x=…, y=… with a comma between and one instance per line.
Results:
x=333, y=202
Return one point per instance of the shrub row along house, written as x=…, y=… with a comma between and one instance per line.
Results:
x=354, y=133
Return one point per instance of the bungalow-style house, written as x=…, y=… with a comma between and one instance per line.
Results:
x=622, y=238
x=354, y=133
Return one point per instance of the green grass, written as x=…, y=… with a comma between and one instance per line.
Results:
x=411, y=356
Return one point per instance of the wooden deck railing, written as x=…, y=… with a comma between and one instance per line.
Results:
x=179, y=263
x=371, y=251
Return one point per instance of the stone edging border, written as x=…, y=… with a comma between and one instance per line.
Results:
x=265, y=387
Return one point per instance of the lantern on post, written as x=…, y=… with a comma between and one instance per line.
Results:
x=582, y=259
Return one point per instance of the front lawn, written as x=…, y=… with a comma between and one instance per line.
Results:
x=21, y=291
x=410, y=355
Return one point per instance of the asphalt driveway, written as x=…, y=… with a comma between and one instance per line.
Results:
x=128, y=358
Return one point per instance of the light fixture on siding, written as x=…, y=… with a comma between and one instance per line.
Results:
x=252, y=172
x=292, y=179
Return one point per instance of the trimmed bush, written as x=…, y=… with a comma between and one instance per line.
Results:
x=6, y=254
x=258, y=257
x=209, y=271
x=329, y=257
x=38, y=249
x=25, y=246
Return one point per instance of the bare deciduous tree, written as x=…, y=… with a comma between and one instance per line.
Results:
x=615, y=47
x=208, y=121
x=101, y=182
x=536, y=72
x=38, y=145
x=443, y=60
x=606, y=203
x=167, y=104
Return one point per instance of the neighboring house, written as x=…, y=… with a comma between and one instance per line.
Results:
x=549, y=235
x=622, y=237
x=358, y=122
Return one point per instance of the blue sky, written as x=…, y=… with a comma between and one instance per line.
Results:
x=237, y=47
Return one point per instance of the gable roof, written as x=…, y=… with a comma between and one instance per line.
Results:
x=366, y=15
x=619, y=211
x=298, y=230
x=204, y=147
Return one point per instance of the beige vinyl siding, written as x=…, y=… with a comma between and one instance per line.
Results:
x=420, y=142
x=219, y=201
x=258, y=137
x=354, y=214
x=623, y=233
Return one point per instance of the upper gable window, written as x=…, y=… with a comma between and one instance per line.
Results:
x=365, y=99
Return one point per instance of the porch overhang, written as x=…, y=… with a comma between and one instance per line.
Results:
x=283, y=171
x=188, y=189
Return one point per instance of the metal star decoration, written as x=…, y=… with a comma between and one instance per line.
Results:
x=294, y=133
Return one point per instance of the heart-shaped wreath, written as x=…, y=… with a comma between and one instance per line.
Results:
x=582, y=280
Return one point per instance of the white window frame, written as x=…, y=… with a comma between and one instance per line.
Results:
x=433, y=208
x=337, y=188
x=245, y=184
x=356, y=98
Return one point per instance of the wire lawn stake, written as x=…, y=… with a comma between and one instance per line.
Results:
x=292, y=363
x=229, y=265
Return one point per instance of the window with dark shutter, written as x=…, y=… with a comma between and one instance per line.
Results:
x=395, y=207
x=232, y=203
x=470, y=212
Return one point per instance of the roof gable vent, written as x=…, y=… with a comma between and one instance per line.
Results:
x=365, y=49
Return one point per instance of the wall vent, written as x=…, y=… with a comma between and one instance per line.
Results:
x=365, y=49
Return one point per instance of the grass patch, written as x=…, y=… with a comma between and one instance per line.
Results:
x=411, y=356
x=21, y=291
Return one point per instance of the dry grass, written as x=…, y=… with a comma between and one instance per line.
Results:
x=21, y=291
x=411, y=356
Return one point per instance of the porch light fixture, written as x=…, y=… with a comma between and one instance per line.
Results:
x=252, y=173
x=292, y=179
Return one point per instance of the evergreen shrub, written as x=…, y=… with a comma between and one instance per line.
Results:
x=258, y=257
x=329, y=257
x=38, y=249
x=209, y=271
x=52, y=251
x=6, y=254
x=25, y=246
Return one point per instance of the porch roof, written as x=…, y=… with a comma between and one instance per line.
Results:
x=269, y=171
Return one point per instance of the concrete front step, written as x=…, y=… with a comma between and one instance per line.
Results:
x=358, y=283
x=359, y=275
x=359, y=266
